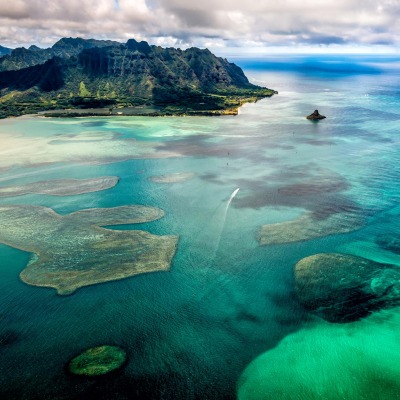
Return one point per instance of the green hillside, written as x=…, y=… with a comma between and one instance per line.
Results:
x=100, y=74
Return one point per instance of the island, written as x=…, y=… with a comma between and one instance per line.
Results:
x=78, y=77
x=315, y=116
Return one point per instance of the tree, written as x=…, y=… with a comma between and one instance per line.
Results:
x=83, y=92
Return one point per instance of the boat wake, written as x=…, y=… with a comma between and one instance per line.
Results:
x=234, y=193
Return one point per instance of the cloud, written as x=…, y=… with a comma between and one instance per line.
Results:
x=16, y=10
x=220, y=23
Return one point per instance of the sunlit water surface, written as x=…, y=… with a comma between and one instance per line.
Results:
x=190, y=332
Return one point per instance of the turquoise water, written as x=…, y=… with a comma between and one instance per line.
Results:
x=192, y=331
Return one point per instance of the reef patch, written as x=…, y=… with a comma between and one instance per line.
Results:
x=98, y=361
x=73, y=251
x=61, y=187
x=308, y=227
x=390, y=242
x=344, y=288
x=173, y=178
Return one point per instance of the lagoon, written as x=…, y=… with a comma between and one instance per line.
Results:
x=193, y=330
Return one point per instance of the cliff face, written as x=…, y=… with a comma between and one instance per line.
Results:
x=80, y=73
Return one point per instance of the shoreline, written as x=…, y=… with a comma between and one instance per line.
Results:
x=71, y=113
x=148, y=111
x=170, y=110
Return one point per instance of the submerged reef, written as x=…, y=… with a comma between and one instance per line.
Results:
x=98, y=361
x=308, y=227
x=9, y=337
x=73, y=250
x=327, y=210
x=61, y=187
x=389, y=242
x=359, y=360
x=173, y=178
x=343, y=288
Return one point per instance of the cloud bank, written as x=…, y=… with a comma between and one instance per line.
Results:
x=213, y=23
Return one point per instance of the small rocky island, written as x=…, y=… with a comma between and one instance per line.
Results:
x=315, y=116
x=78, y=77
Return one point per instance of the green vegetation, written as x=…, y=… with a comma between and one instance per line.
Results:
x=83, y=92
x=104, y=75
x=97, y=361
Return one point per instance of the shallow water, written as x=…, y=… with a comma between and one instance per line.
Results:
x=190, y=332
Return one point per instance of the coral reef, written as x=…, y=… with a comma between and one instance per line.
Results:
x=343, y=288
x=98, y=361
x=389, y=242
x=72, y=251
x=173, y=178
x=308, y=227
x=61, y=187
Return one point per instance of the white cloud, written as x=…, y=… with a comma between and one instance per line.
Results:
x=215, y=22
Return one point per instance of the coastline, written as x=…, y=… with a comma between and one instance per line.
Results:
x=237, y=301
x=169, y=110
x=131, y=112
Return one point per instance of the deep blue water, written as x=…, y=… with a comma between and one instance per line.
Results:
x=190, y=332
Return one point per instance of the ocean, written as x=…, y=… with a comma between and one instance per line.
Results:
x=223, y=321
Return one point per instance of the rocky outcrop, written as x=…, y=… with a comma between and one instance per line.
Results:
x=315, y=116
x=344, y=288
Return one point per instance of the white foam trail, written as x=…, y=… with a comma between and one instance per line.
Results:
x=235, y=192
x=219, y=282
x=216, y=225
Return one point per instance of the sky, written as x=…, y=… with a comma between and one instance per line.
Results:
x=227, y=27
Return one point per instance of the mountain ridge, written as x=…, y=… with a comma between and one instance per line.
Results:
x=80, y=74
x=4, y=51
x=21, y=57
